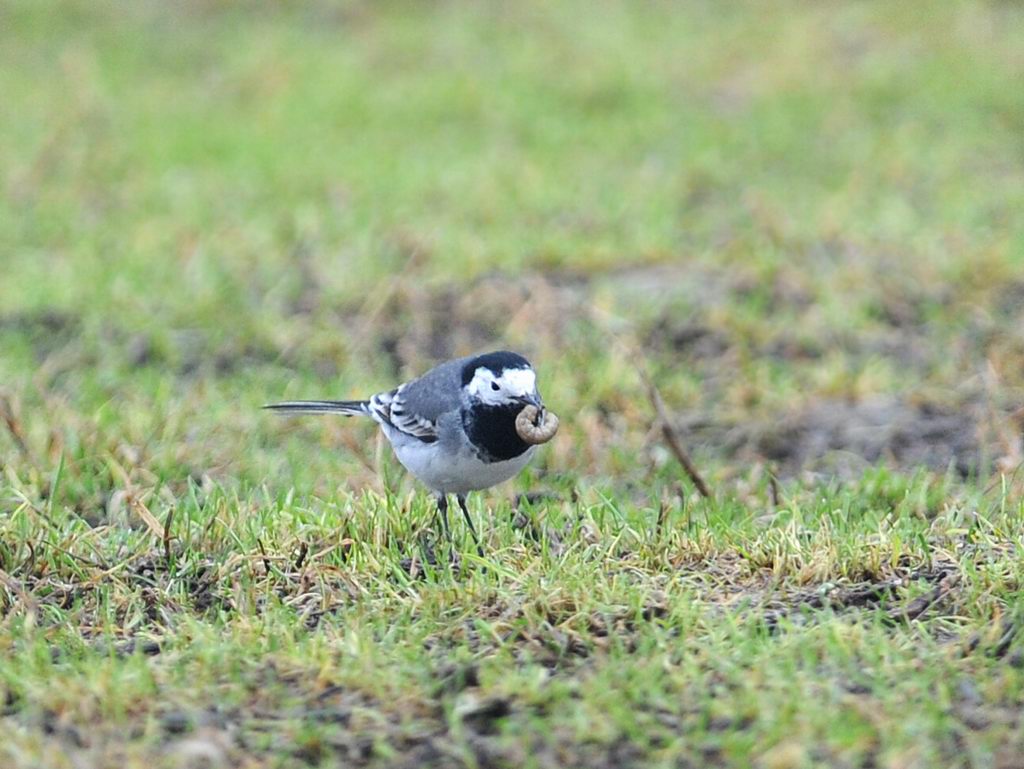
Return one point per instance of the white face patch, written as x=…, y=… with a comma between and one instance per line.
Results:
x=513, y=383
x=518, y=381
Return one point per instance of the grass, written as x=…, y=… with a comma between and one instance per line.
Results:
x=804, y=216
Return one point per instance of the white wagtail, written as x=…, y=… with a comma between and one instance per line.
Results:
x=459, y=427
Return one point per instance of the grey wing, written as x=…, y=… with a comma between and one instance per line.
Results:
x=415, y=407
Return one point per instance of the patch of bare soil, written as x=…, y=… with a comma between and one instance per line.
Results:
x=884, y=595
x=842, y=438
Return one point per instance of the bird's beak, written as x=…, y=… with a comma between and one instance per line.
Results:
x=532, y=400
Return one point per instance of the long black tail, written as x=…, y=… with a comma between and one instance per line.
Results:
x=349, y=408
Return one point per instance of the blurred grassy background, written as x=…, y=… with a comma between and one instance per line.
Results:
x=203, y=203
x=807, y=215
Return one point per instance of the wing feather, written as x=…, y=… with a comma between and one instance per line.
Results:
x=391, y=408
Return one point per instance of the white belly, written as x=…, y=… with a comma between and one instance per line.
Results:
x=459, y=473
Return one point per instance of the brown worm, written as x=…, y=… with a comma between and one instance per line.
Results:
x=536, y=426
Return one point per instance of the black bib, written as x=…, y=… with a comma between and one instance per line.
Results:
x=492, y=430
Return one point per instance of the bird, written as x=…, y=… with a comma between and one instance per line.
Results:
x=455, y=427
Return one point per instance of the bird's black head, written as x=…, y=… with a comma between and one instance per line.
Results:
x=496, y=362
x=500, y=378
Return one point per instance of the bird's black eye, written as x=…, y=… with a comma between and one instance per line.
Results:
x=495, y=386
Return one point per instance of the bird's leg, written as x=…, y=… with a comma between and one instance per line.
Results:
x=469, y=522
x=442, y=509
